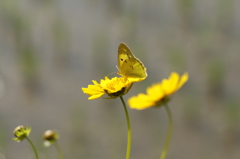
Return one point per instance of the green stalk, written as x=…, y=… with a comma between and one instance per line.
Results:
x=59, y=151
x=129, y=129
x=169, y=136
x=33, y=147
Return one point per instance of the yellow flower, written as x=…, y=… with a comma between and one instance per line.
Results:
x=115, y=87
x=159, y=93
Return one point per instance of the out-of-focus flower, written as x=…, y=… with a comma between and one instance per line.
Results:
x=50, y=137
x=158, y=94
x=21, y=133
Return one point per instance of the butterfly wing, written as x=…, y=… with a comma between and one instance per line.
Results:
x=124, y=53
x=133, y=68
x=128, y=64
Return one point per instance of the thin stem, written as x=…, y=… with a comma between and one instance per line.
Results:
x=33, y=147
x=59, y=151
x=169, y=136
x=129, y=130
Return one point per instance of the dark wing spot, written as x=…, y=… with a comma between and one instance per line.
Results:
x=129, y=56
x=125, y=61
x=121, y=59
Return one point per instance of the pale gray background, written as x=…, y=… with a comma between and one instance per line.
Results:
x=50, y=49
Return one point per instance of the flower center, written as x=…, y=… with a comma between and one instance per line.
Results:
x=162, y=101
x=116, y=94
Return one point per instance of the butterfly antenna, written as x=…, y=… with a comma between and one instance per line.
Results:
x=117, y=68
x=111, y=74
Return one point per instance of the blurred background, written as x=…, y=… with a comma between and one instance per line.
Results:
x=50, y=49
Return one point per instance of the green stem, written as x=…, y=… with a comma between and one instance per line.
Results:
x=34, y=149
x=169, y=136
x=60, y=154
x=129, y=130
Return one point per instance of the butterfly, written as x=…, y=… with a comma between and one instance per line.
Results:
x=128, y=65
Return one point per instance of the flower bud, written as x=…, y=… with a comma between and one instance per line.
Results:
x=21, y=133
x=50, y=137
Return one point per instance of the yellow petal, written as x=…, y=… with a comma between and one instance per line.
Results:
x=140, y=102
x=169, y=85
x=155, y=92
x=95, y=82
x=92, y=89
x=183, y=80
x=95, y=96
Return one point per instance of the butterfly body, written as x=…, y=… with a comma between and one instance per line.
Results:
x=128, y=65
